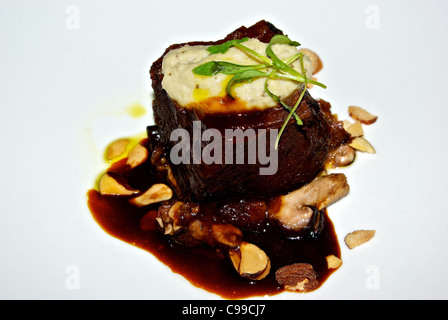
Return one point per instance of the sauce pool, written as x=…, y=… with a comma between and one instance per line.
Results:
x=203, y=266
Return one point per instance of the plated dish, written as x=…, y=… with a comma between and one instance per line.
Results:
x=231, y=186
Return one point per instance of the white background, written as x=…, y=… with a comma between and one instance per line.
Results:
x=63, y=96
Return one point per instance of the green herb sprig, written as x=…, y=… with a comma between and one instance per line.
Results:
x=270, y=67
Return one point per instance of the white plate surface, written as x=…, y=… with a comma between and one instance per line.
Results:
x=70, y=69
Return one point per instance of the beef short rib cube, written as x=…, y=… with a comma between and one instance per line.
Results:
x=301, y=152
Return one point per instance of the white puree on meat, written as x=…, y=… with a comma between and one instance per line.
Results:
x=183, y=86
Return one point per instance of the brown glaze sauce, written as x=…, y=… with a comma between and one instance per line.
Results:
x=203, y=266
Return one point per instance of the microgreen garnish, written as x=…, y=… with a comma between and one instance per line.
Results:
x=279, y=64
x=224, y=47
x=278, y=100
x=275, y=69
x=213, y=67
x=245, y=76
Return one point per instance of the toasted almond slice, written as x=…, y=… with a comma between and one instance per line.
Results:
x=235, y=257
x=362, y=144
x=254, y=261
x=137, y=156
x=160, y=222
x=361, y=115
x=358, y=237
x=333, y=262
x=157, y=193
x=169, y=230
x=173, y=214
x=116, y=148
x=355, y=129
x=265, y=273
x=346, y=124
x=108, y=185
x=315, y=60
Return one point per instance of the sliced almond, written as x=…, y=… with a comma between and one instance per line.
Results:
x=250, y=261
x=346, y=124
x=173, y=213
x=333, y=262
x=361, y=115
x=169, y=229
x=254, y=261
x=116, y=148
x=315, y=60
x=265, y=273
x=137, y=156
x=355, y=130
x=108, y=185
x=235, y=257
x=160, y=222
x=157, y=193
x=358, y=237
x=174, y=210
x=362, y=145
